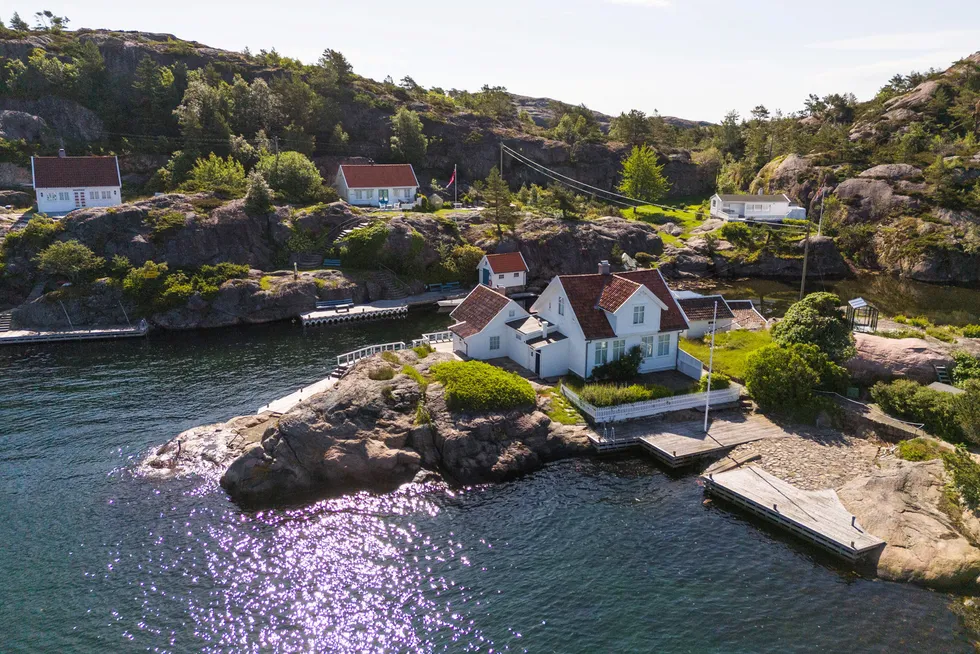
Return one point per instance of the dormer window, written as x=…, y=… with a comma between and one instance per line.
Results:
x=639, y=312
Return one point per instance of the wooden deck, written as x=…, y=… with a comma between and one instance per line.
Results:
x=682, y=443
x=815, y=516
x=23, y=336
x=356, y=312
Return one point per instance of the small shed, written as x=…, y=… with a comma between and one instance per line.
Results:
x=861, y=316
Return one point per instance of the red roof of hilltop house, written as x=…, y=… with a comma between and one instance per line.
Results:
x=477, y=310
x=703, y=308
x=510, y=262
x=66, y=172
x=379, y=175
x=592, y=295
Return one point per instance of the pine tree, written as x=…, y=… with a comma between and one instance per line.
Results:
x=643, y=177
x=408, y=142
x=498, y=198
x=18, y=24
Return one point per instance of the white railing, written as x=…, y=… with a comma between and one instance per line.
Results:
x=352, y=357
x=689, y=365
x=651, y=407
x=433, y=337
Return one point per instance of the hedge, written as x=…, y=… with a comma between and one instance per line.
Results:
x=478, y=386
x=601, y=395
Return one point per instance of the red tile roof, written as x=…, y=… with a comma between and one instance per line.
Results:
x=65, y=172
x=670, y=320
x=592, y=295
x=703, y=308
x=477, y=310
x=379, y=175
x=510, y=262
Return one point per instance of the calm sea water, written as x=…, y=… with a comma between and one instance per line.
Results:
x=584, y=556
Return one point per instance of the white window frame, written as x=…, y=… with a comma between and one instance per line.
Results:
x=601, y=353
x=561, y=306
x=500, y=276
x=639, y=314
x=512, y=313
x=663, y=345
x=647, y=345
x=105, y=195
x=618, y=349
x=517, y=275
x=494, y=343
x=64, y=196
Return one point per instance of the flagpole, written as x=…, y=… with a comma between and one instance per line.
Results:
x=455, y=187
x=711, y=363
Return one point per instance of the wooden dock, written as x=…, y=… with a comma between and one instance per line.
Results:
x=356, y=312
x=284, y=404
x=681, y=444
x=24, y=337
x=815, y=516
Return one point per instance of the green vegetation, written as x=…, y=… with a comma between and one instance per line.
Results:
x=779, y=379
x=408, y=141
x=423, y=350
x=817, y=320
x=39, y=233
x=69, y=259
x=163, y=224
x=561, y=410
x=293, y=176
x=899, y=333
x=642, y=177
x=601, y=395
x=732, y=350
x=623, y=369
x=944, y=334
x=966, y=475
x=413, y=372
x=381, y=373
x=719, y=382
x=497, y=195
x=391, y=358
x=265, y=283
x=155, y=288
x=919, y=449
x=362, y=248
x=966, y=367
x=258, y=195
x=953, y=418
x=224, y=176
x=478, y=386
x=971, y=331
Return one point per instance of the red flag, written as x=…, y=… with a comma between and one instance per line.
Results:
x=452, y=179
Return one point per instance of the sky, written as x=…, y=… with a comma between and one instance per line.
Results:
x=695, y=59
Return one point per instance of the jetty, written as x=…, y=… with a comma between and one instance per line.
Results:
x=817, y=517
x=24, y=336
x=378, y=310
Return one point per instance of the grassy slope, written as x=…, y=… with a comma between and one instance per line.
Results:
x=732, y=350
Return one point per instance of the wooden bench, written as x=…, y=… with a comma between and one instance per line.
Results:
x=433, y=287
x=331, y=263
x=337, y=305
x=451, y=286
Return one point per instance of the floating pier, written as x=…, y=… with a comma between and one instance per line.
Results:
x=356, y=312
x=815, y=516
x=284, y=404
x=23, y=336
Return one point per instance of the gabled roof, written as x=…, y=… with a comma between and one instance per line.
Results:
x=64, y=172
x=477, y=310
x=509, y=262
x=615, y=293
x=754, y=198
x=583, y=293
x=671, y=319
x=378, y=175
x=703, y=308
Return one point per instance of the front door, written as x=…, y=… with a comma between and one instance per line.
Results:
x=537, y=362
x=383, y=197
x=486, y=277
x=79, y=198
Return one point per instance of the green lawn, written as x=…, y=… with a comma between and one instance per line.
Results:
x=684, y=216
x=732, y=349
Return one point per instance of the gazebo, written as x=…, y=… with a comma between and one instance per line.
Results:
x=861, y=316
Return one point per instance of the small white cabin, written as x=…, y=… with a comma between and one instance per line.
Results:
x=64, y=183
x=505, y=271
x=376, y=185
x=766, y=208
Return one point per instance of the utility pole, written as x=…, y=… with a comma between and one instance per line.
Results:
x=501, y=160
x=275, y=140
x=806, y=251
x=711, y=363
x=823, y=195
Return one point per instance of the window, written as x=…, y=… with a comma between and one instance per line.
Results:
x=511, y=313
x=105, y=195
x=517, y=275
x=638, y=314
x=63, y=195
x=500, y=276
x=647, y=346
x=494, y=342
x=619, y=349
x=601, y=353
x=663, y=345
x=561, y=306
x=93, y=195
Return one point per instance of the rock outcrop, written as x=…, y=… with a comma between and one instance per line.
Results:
x=930, y=539
x=880, y=358
x=366, y=434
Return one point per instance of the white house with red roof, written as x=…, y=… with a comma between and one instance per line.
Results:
x=507, y=271
x=375, y=185
x=578, y=322
x=64, y=183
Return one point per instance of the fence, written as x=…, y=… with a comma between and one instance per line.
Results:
x=433, y=337
x=689, y=365
x=600, y=415
x=352, y=357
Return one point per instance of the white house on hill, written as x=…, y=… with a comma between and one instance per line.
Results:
x=766, y=208
x=507, y=271
x=579, y=322
x=375, y=185
x=64, y=183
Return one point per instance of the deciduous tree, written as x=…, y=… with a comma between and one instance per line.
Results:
x=408, y=141
x=497, y=195
x=642, y=177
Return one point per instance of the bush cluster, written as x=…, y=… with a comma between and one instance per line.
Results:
x=362, y=248
x=155, y=288
x=783, y=379
x=951, y=417
x=623, y=369
x=971, y=331
x=919, y=449
x=719, y=382
x=601, y=395
x=478, y=386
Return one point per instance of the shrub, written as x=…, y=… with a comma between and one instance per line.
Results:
x=900, y=333
x=901, y=319
x=292, y=175
x=646, y=259
x=966, y=367
x=144, y=283
x=362, y=248
x=119, y=267
x=381, y=373
x=944, y=334
x=478, y=386
x=623, y=369
x=423, y=350
x=412, y=372
x=971, y=331
x=968, y=410
x=164, y=223
x=226, y=176
x=907, y=400
x=780, y=379
x=422, y=415
x=391, y=357
x=719, y=381
x=601, y=395
x=258, y=197
x=737, y=234
x=265, y=283
x=817, y=320
x=919, y=449
x=69, y=259
x=966, y=475
x=39, y=232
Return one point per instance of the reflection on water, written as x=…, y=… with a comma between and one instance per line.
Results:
x=585, y=556
x=954, y=305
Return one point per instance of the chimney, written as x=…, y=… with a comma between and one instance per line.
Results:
x=61, y=153
x=603, y=267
